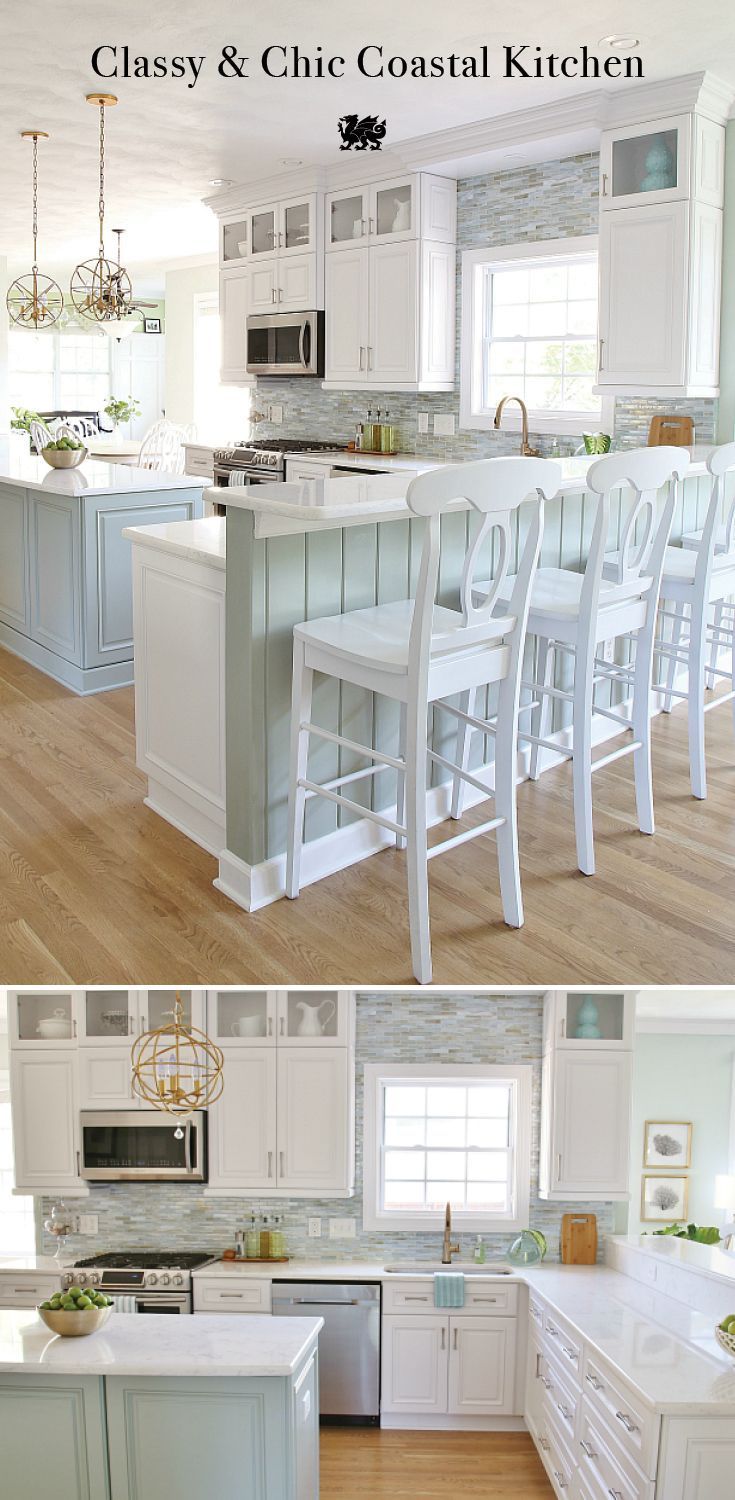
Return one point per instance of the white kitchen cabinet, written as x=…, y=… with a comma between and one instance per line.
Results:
x=34, y=1014
x=697, y=1458
x=233, y=311
x=105, y=1079
x=534, y=1388
x=394, y=209
x=233, y=1293
x=643, y=295
x=647, y=163
x=564, y=1018
x=108, y=1018
x=316, y=1018
x=415, y=1364
x=315, y=1121
x=390, y=317
x=43, y=1092
x=242, y=1018
x=28, y=1288
x=156, y=1008
x=393, y=312
x=347, y=318
x=482, y=1362
x=285, y=285
x=242, y=1122
x=586, y=1100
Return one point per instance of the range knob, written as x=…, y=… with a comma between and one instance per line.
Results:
x=165, y=1279
x=95, y=1278
x=81, y=1278
x=178, y=1280
x=151, y=1279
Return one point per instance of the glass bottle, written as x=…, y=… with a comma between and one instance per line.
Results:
x=276, y=1240
x=251, y=1240
x=368, y=433
x=265, y=1240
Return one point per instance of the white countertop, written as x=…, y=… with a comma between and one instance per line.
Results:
x=128, y=1345
x=383, y=463
x=707, y=1260
x=202, y=541
x=316, y=504
x=303, y=1270
x=46, y=1265
x=91, y=478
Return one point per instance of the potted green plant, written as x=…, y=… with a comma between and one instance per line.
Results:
x=121, y=410
x=20, y=427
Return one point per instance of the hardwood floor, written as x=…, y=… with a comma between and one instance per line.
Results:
x=94, y=888
x=424, y=1465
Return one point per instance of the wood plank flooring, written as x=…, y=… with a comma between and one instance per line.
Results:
x=367, y=1465
x=95, y=888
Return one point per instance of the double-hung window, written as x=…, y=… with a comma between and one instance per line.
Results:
x=529, y=329
x=446, y=1134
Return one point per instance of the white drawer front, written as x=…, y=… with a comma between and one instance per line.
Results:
x=561, y=1399
x=536, y=1311
x=600, y=1458
x=488, y=1298
x=558, y=1462
x=562, y=1343
x=27, y=1291
x=635, y=1427
x=219, y=1296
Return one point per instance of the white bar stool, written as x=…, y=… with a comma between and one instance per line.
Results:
x=418, y=654
x=616, y=596
x=693, y=581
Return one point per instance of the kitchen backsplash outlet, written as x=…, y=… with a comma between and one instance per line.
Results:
x=160, y=1216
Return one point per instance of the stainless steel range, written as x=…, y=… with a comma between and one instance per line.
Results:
x=264, y=461
x=154, y=1282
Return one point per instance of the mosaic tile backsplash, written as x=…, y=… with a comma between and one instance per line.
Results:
x=552, y=200
x=389, y=1029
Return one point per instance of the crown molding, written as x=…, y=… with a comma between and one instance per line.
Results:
x=684, y=1026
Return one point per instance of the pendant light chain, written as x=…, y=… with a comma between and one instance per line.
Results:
x=102, y=180
x=35, y=204
x=34, y=300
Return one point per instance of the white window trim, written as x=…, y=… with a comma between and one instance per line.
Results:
x=531, y=253
x=376, y=1217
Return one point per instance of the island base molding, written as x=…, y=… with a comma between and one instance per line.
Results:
x=81, y=680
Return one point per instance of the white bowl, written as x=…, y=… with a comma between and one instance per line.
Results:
x=54, y=1028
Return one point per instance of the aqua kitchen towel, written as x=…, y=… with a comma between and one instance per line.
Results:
x=448, y=1289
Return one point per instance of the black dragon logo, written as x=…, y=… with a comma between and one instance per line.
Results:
x=361, y=133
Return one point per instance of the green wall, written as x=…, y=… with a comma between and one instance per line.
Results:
x=685, y=1077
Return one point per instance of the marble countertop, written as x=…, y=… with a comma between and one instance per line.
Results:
x=91, y=478
x=383, y=463
x=46, y=1265
x=707, y=1260
x=303, y=1270
x=201, y=541
x=256, y=1345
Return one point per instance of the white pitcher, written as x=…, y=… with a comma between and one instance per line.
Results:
x=310, y=1021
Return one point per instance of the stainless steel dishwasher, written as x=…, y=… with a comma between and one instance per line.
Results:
x=349, y=1343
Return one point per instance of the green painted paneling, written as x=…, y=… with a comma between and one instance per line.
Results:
x=272, y=584
x=52, y=1438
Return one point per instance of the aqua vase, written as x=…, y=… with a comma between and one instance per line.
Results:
x=588, y=1021
x=528, y=1249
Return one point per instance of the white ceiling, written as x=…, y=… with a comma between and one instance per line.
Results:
x=166, y=141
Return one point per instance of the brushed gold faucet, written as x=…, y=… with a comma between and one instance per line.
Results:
x=448, y=1249
x=526, y=450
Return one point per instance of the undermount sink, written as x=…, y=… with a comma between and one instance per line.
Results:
x=467, y=1267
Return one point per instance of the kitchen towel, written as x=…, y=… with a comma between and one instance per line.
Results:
x=448, y=1289
x=125, y=1304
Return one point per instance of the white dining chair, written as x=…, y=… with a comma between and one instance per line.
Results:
x=162, y=447
x=419, y=653
x=616, y=596
x=696, y=582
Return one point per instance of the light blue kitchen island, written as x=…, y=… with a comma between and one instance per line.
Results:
x=65, y=574
x=150, y=1408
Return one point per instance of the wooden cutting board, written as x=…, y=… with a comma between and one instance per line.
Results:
x=579, y=1239
x=675, y=431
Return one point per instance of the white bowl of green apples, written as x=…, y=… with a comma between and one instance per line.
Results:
x=725, y=1334
x=74, y=1313
x=64, y=453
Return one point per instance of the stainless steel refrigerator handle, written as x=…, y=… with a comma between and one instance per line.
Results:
x=187, y=1146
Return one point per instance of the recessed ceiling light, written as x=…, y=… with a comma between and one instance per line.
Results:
x=620, y=43
x=221, y=182
x=291, y=161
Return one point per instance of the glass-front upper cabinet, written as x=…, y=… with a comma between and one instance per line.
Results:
x=108, y=1016
x=315, y=1018
x=43, y=1017
x=296, y=229
x=646, y=163
x=242, y=1017
x=157, y=1008
x=598, y=1019
x=264, y=230
x=374, y=214
x=347, y=218
x=234, y=241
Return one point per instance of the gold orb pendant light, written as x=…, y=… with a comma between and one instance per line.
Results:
x=34, y=300
x=176, y=1068
x=100, y=288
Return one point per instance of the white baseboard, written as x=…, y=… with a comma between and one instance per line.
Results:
x=405, y=1421
x=203, y=828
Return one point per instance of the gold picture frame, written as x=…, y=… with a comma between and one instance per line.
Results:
x=673, y=1204
x=668, y=1134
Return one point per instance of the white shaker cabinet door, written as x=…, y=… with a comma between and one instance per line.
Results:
x=415, y=1355
x=591, y=1124
x=242, y=1124
x=393, y=340
x=643, y=295
x=697, y=1459
x=234, y=288
x=43, y=1094
x=346, y=298
x=105, y=1079
x=314, y=1135
x=297, y=284
x=482, y=1363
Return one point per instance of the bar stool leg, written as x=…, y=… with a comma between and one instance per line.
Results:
x=582, y=757
x=462, y=754
x=301, y=694
x=506, y=807
x=714, y=649
x=695, y=704
x=417, y=863
x=541, y=716
x=641, y=724
x=401, y=777
x=676, y=629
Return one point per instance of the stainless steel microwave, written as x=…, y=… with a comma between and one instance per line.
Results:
x=143, y=1145
x=285, y=343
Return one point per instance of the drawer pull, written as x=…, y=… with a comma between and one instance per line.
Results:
x=595, y=1383
x=230, y=1296
x=570, y=1352
x=550, y=1329
x=567, y=1415
x=411, y=1297
x=546, y=1383
x=544, y=1443
x=628, y=1425
x=559, y=1477
x=586, y=1449
x=483, y=1299
x=444, y=1338
x=615, y=1494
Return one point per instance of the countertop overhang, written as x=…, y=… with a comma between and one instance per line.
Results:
x=93, y=477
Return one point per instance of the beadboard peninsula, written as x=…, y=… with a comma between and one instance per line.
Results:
x=161, y=1406
x=65, y=582
x=215, y=605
